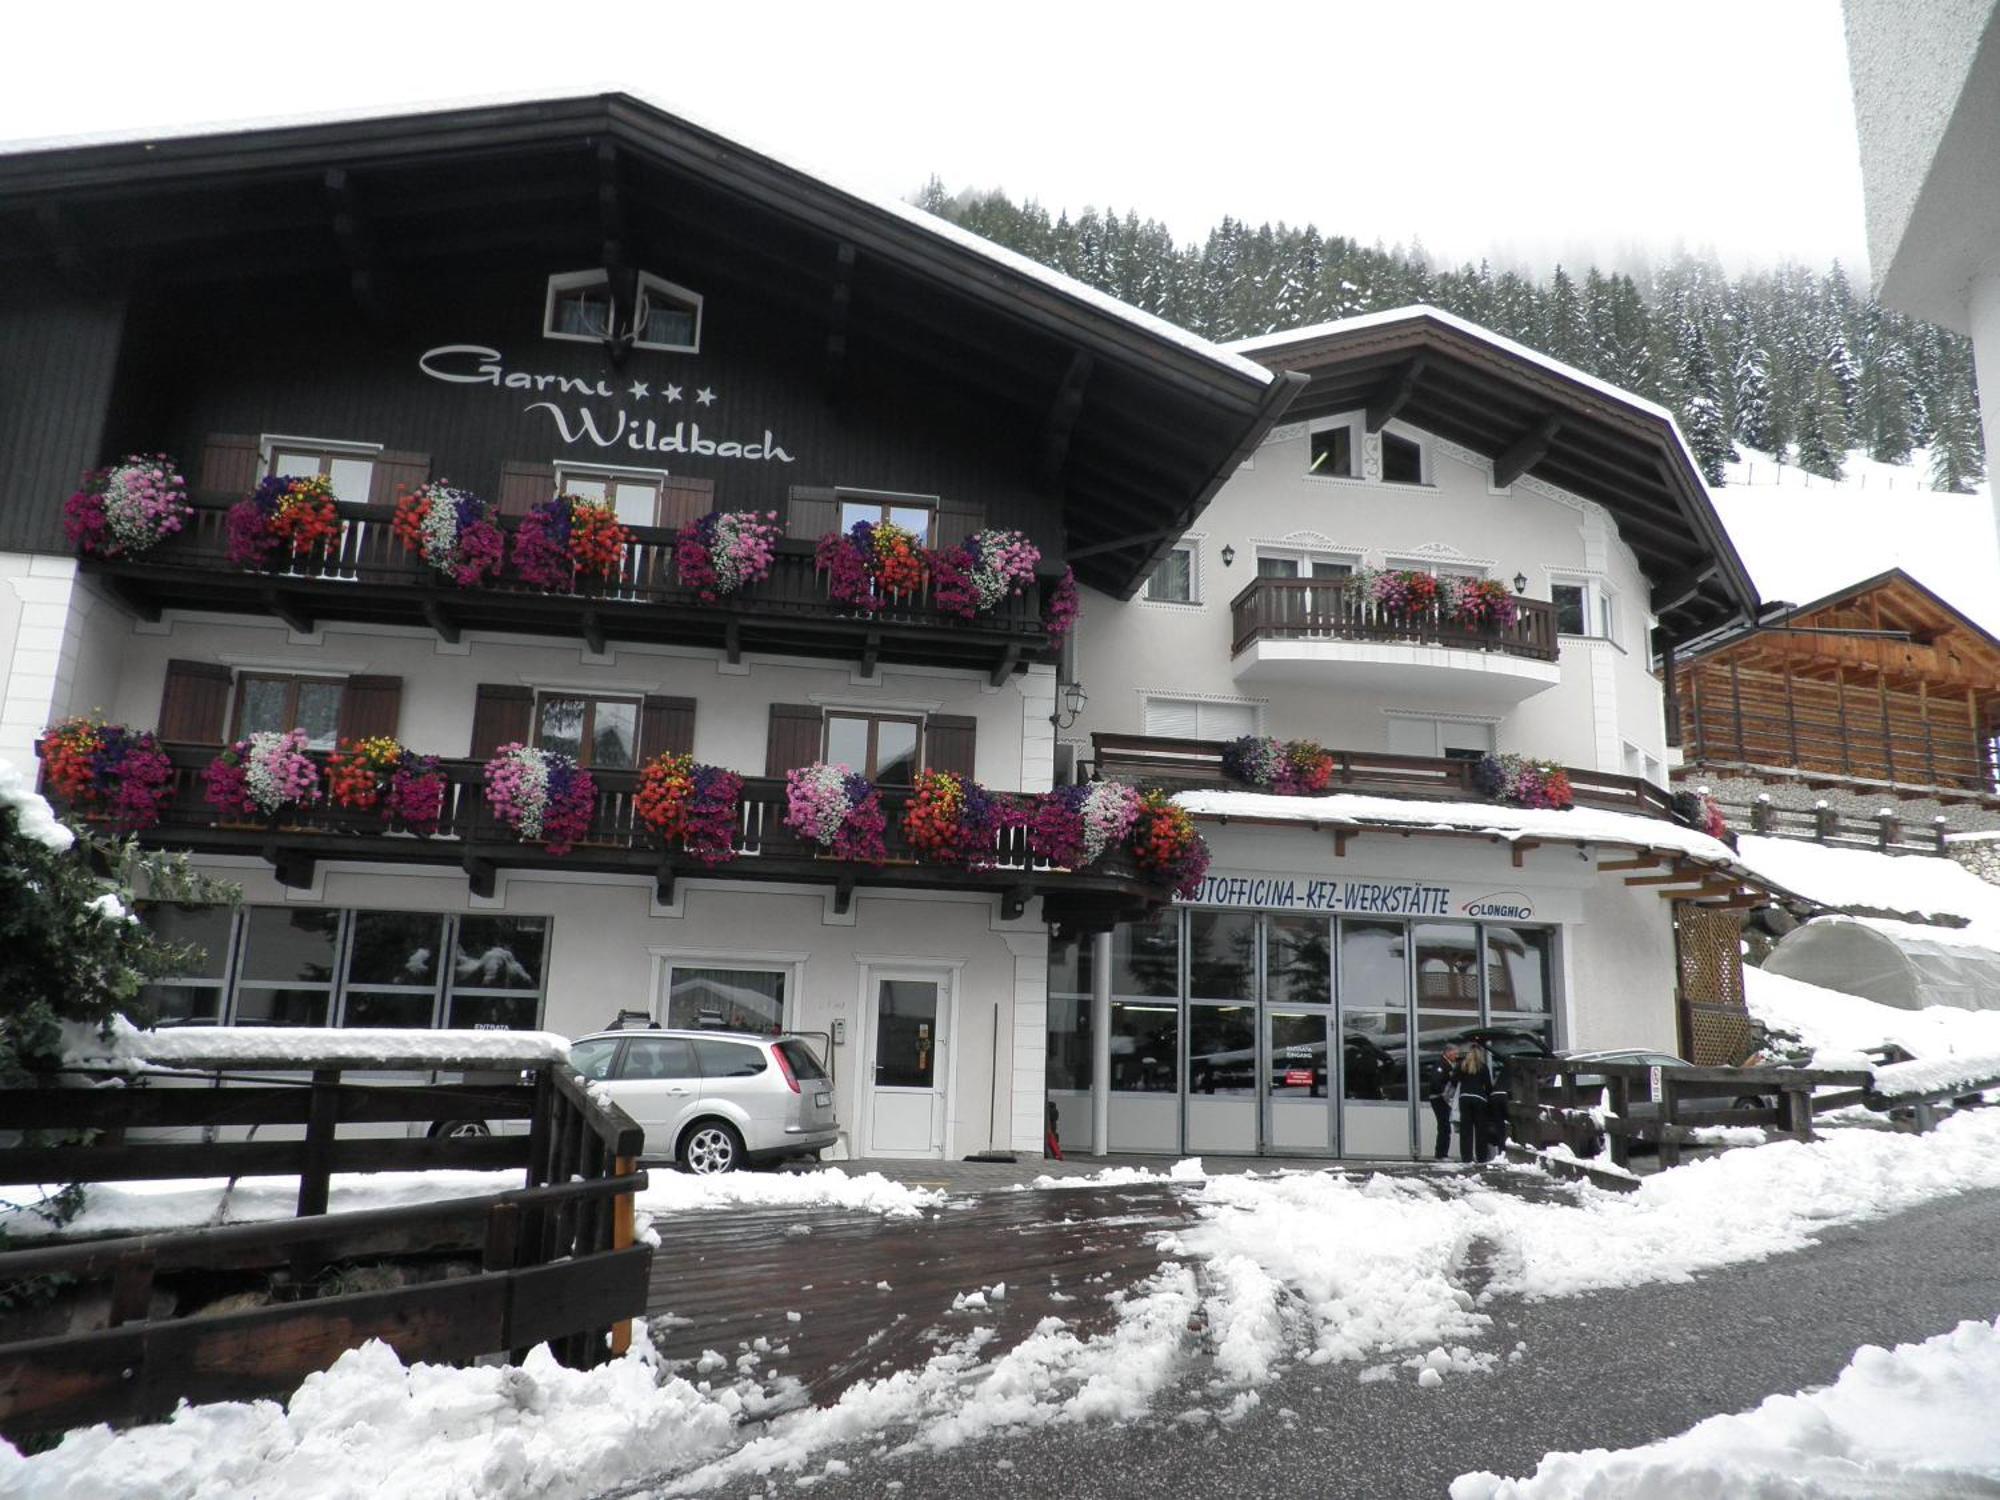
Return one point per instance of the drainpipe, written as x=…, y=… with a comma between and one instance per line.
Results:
x=1100, y=1044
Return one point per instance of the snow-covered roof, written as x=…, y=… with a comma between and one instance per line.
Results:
x=1019, y=265
x=1391, y=316
x=1861, y=879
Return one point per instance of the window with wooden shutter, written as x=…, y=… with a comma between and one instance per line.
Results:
x=685, y=501
x=524, y=486
x=370, y=707
x=231, y=464
x=794, y=737
x=502, y=714
x=396, y=473
x=666, y=726
x=194, y=703
x=957, y=520
x=949, y=741
x=811, y=512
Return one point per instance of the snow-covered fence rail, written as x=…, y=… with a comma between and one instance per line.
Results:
x=1885, y=832
x=557, y=1259
x=1573, y=1101
x=1918, y=1086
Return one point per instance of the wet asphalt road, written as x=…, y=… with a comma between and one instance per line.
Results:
x=1611, y=1370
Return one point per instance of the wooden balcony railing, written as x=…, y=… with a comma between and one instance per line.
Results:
x=468, y=835
x=1327, y=609
x=1190, y=764
x=369, y=574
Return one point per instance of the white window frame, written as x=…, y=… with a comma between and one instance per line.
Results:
x=1356, y=439
x=1600, y=606
x=792, y=965
x=271, y=444
x=609, y=475
x=1305, y=557
x=1191, y=546
x=1426, y=479
x=1437, y=567
x=1437, y=721
x=570, y=281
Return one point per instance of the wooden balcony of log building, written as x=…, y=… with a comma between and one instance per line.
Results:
x=370, y=576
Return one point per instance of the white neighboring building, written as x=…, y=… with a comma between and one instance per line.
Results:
x=1926, y=77
x=1277, y=1010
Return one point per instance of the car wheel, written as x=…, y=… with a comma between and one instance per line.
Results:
x=460, y=1130
x=1750, y=1101
x=710, y=1147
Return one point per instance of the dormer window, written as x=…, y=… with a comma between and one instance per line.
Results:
x=1331, y=450
x=1402, y=460
x=667, y=318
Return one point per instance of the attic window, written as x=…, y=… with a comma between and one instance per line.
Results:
x=579, y=308
x=1402, y=460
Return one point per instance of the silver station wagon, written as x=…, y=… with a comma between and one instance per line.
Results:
x=714, y=1101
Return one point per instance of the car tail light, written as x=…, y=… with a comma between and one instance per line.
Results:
x=785, y=1067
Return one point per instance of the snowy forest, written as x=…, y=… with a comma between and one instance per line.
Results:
x=1792, y=362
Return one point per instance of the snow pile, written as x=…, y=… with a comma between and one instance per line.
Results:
x=869, y=1192
x=1863, y=878
x=372, y=1428
x=1188, y=1169
x=1804, y=537
x=1840, y=1028
x=122, y=1045
x=1913, y=1420
x=32, y=813
x=146, y=1207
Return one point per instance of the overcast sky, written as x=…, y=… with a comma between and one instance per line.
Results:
x=1521, y=130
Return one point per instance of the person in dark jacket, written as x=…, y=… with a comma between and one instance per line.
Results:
x=1441, y=1088
x=1475, y=1088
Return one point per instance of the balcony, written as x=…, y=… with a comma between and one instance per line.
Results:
x=1318, y=631
x=1188, y=765
x=470, y=838
x=370, y=576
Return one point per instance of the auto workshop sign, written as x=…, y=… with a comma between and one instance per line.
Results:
x=1350, y=897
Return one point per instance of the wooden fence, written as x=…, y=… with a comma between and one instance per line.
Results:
x=557, y=1258
x=1333, y=610
x=1885, y=832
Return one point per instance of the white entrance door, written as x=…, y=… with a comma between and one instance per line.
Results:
x=906, y=1097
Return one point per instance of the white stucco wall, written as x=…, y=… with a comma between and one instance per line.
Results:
x=610, y=945
x=1607, y=694
x=59, y=647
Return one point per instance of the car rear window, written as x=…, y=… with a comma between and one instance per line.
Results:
x=593, y=1059
x=804, y=1065
x=729, y=1059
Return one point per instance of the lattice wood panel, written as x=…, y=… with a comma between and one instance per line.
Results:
x=1714, y=1025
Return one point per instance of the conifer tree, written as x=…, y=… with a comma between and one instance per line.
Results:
x=1822, y=431
x=1955, y=462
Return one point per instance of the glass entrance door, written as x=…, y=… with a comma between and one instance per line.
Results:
x=1375, y=1102
x=906, y=1101
x=1298, y=1080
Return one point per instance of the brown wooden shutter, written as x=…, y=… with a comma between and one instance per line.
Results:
x=795, y=737
x=957, y=520
x=395, y=472
x=194, y=704
x=811, y=512
x=685, y=501
x=370, y=706
x=501, y=715
x=948, y=743
x=230, y=465
x=523, y=486
x=666, y=726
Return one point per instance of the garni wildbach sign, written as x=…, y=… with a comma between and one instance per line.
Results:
x=576, y=423
x=1349, y=897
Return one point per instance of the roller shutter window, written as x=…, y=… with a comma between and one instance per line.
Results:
x=794, y=737
x=231, y=465
x=502, y=714
x=949, y=741
x=371, y=706
x=811, y=512
x=523, y=486
x=194, y=703
x=666, y=727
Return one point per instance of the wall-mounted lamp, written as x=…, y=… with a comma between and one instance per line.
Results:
x=1070, y=709
x=1228, y=556
x=1520, y=583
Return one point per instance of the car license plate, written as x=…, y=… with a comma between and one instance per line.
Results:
x=822, y=1100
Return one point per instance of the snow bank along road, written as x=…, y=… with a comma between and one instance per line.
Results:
x=1318, y=1332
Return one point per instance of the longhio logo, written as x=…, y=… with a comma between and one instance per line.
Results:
x=1511, y=904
